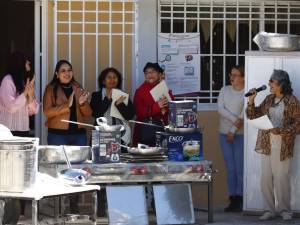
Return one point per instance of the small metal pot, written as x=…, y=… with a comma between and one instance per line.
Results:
x=104, y=127
x=168, y=129
x=101, y=125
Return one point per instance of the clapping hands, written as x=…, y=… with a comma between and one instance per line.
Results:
x=29, y=90
x=83, y=97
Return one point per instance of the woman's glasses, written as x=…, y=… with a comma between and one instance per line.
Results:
x=64, y=71
x=233, y=75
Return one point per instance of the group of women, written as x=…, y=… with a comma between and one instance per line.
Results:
x=64, y=98
x=276, y=145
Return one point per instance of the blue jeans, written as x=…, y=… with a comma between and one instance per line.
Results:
x=67, y=139
x=233, y=154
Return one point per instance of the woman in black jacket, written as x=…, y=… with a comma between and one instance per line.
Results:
x=109, y=79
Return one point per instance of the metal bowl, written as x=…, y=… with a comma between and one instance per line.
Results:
x=54, y=154
x=277, y=42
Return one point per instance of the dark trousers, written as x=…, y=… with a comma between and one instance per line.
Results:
x=101, y=196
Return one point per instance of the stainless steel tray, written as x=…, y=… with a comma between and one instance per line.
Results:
x=277, y=42
x=54, y=154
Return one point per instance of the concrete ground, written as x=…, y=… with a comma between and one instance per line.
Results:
x=220, y=218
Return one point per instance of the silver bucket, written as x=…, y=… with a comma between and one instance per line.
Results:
x=18, y=166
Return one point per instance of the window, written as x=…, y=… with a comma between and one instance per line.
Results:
x=226, y=30
x=93, y=35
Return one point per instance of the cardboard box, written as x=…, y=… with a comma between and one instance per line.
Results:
x=183, y=114
x=106, y=146
x=182, y=146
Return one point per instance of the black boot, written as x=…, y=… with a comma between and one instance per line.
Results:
x=232, y=204
x=239, y=202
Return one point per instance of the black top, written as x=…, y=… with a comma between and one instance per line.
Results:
x=100, y=106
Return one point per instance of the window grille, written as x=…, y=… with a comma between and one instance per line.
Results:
x=95, y=34
x=226, y=30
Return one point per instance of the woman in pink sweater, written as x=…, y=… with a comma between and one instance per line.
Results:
x=17, y=97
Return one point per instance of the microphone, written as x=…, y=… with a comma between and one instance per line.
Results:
x=263, y=87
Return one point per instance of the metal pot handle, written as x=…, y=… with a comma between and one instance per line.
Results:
x=101, y=120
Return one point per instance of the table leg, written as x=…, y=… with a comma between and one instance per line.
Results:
x=95, y=201
x=210, y=202
x=34, y=212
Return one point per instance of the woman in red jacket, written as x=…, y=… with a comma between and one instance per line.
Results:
x=146, y=108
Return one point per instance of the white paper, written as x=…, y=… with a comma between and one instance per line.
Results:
x=160, y=90
x=178, y=55
x=116, y=94
x=262, y=123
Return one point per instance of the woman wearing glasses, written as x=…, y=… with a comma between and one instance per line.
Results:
x=276, y=145
x=230, y=108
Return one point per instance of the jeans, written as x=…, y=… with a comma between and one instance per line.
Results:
x=233, y=154
x=67, y=139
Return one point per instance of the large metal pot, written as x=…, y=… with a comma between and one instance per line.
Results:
x=54, y=153
x=17, y=165
x=277, y=42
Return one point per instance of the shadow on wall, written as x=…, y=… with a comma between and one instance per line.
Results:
x=212, y=152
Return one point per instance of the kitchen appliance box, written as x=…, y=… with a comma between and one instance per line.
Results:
x=183, y=114
x=181, y=146
x=106, y=146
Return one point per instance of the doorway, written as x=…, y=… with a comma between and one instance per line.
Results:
x=17, y=33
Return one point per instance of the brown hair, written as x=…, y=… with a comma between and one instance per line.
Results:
x=240, y=68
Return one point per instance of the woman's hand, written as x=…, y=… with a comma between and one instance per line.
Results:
x=29, y=89
x=120, y=100
x=238, y=123
x=275, y=130
x=31, y=93
x=163, y=102
x=230, y=137
x=70, y=100
x=252, y=97
x=83, y=97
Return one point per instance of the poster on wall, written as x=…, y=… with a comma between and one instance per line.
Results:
x=178, y=55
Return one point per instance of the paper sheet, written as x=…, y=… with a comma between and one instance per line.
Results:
x=262, y=123
x=116, y=94
x=160, y=90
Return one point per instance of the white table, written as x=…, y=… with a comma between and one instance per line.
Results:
x=50, y=187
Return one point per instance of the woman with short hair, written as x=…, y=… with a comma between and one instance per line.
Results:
x=147, y=109
x=276, y=145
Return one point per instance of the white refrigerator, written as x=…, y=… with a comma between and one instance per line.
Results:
x=258, y=69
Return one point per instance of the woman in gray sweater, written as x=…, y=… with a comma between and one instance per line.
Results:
x=230, y=108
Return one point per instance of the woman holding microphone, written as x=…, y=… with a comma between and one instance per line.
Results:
x=276, y=145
